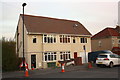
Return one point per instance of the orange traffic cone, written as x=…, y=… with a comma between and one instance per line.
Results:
x=89, y=65
x=26, y=73
x=63, y=68
x=32, y=67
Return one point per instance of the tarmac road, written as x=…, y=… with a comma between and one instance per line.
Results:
x=70, y=72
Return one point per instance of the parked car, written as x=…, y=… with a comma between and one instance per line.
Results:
x=93, y=55
x=108, y=60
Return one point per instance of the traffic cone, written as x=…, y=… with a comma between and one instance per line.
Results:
x=63, y=68
x=89, y=65
x=26, y=73
x=32, y=67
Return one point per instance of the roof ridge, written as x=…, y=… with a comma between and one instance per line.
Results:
x=50, y=18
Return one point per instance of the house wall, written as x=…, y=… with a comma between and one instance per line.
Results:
x=40, y=47
x=106, y=43
x=20, y=38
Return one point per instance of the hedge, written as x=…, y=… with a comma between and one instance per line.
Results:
x=10, y=61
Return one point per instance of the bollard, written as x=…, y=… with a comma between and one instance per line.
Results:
x=89, y=65
x=26, y=73
x=63, y=68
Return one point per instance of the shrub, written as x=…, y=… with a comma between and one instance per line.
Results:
x=10, y=61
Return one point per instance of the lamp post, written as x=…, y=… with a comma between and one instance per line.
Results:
x=24, y=4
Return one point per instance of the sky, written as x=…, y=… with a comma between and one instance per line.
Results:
x=95, y=15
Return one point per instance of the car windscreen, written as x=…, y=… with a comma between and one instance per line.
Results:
x=102, y=56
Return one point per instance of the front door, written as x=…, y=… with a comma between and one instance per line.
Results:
x=33, y=61
x=75, y=54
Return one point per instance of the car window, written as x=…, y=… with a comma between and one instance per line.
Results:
x=102, y=56
x=114, y=56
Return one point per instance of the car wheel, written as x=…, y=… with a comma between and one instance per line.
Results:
x=111, y=64
x=98, y=65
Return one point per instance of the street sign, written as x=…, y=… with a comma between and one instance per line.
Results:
x=26, y=65
x=84, y=47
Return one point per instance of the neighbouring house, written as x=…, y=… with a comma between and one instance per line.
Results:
x=49, y=40
x=107, y=39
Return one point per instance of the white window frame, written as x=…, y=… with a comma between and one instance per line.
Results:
x=50, y=53
x=54, y=39
x=64, y=53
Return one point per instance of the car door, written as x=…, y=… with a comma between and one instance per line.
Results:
x=113, y=59
x=117, y=59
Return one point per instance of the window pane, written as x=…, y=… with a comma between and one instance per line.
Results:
x=54, y=40
x=45, y=39
x=51, y=40
x=54, y=52
x=54, y=57
x=73, y=40
x=34, y=40
x=86, y=40
x=49, y=57
x=45, y=57
x=48, y=40
x=81, y=40
x=60, y=40
x=68, y=40
x=66, y=56
x=63, y=40
x=61, y=56
x=45, y=35
x=69, y=56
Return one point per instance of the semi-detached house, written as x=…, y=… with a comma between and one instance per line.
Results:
x=49, y=40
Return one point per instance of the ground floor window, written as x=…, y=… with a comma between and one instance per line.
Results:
x=65, y=55
x=49, y=56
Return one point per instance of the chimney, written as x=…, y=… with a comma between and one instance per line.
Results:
x=117, y=28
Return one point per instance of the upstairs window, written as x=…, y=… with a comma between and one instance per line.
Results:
x=118, y=41
x=99, y=43
x=49, y=38
x=34, y=40
x=74, y=40
x=64, y=39
x=83, y=40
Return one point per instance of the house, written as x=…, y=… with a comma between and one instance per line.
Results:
x=49, y=40
x=107, y=39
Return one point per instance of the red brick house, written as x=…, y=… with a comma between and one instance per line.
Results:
x=107, y=39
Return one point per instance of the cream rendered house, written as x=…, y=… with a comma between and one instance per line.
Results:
x=49, y=40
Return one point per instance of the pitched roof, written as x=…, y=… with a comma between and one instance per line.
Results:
x=39, y=24
x=107, y=32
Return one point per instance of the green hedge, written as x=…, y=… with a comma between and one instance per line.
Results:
x=10, y=62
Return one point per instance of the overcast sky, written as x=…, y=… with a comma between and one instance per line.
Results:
x=95, y=15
